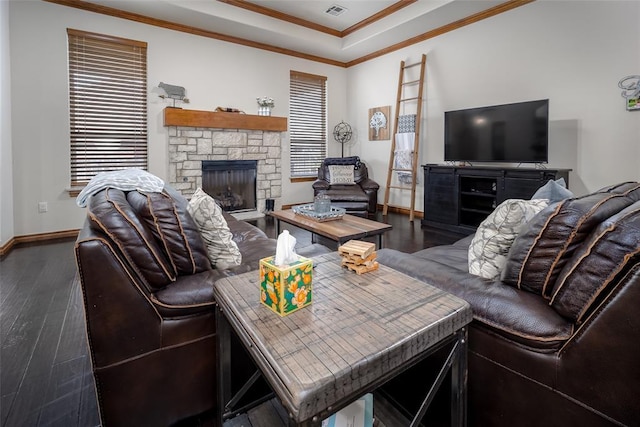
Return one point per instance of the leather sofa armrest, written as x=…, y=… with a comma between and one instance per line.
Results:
x=369, y=184
x=320, y=185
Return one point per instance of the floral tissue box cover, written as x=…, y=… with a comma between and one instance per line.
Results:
x=285, y=289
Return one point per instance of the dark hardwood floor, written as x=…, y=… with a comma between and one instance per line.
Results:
x=45, y=369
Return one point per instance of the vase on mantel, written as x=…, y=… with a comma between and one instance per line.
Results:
x=264, y=111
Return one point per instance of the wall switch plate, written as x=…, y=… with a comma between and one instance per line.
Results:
x=42, y=207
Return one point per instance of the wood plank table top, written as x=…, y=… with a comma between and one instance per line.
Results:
x=349, y=227
x=358, y=331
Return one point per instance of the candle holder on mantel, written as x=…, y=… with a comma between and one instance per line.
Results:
x=265, y=104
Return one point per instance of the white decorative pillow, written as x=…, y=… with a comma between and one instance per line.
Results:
x=222, y=250
x=490, y=245
x=341, y=174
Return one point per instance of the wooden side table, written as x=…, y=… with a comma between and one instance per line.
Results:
x=359, y=332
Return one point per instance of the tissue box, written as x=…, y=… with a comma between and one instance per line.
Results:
x=285, y=289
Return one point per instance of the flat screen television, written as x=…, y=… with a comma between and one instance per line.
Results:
x=509, y=133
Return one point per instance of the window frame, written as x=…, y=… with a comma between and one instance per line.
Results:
x=108, y=117
x=308, y=124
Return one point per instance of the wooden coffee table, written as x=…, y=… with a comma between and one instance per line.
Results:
x=347, y=228
x=359, y=332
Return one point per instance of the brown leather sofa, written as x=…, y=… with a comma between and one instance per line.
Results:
x=359, y=199
x=149, y=308
x=556, y=340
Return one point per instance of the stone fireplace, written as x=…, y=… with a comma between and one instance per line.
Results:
x=197, y=137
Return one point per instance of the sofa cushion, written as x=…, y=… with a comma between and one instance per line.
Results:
x=341, y=174
x=347, y=193
x=518, y=316
x=605, y=254
x=621, y=187
x=110, y=212
x=455, y=255
x=542, y=249
x=494, y=236
x=629, y=189
x=252, y=242
x=166, y=215
x=188, y=295
x=222, y=250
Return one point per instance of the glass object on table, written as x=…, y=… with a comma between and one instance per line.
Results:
x=322, y=203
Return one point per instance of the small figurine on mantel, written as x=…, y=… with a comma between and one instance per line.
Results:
x=173, y=92
x=228, y=110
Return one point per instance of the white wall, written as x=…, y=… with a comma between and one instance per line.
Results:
x=572, y=52
x=214, y=74
x=6, y=169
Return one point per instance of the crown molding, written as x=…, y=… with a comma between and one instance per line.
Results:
x=488, y=13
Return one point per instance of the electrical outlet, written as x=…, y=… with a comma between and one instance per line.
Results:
x=43, y=207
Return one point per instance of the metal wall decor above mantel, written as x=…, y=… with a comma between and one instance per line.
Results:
x=222, y=120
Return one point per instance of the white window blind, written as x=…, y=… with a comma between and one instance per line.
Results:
x=307, y=123
x=107, y=104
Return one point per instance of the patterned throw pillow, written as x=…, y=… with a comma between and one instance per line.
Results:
x=341, y=174
x=222, y=250
x=490, y=245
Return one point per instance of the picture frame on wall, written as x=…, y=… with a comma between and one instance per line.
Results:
x=379, y=123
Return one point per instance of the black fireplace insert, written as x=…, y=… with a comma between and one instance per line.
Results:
x=232, y=183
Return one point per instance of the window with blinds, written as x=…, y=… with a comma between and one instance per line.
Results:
x=307, y=123
x=107, y=104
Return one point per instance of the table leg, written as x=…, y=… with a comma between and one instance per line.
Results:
x=459, y=382
x=379, y=241
x=456, y=363
x=277, y=227
x=223, y=365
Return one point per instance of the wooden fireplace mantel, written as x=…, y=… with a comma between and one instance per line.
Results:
x=212, y=119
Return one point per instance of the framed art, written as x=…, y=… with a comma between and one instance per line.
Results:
x=379, y=123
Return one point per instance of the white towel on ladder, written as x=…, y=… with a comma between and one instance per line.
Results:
x=403, y=155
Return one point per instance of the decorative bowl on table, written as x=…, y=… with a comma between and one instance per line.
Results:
x=309, y=211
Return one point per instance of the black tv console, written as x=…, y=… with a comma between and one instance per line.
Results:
x=459, y=198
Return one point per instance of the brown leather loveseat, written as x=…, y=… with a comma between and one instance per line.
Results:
x=149, y=307
x=555, y=340
x=359, y=198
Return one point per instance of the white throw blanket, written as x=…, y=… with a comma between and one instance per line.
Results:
x=125, y=180
x=404, y=155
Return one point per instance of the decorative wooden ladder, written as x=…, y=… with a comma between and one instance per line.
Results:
x=402, y=84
